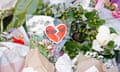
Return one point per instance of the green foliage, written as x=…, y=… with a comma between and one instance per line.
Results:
x=2, y=38
x=43, y=50
x=22, y=8
x=111, y=44
x=83, y=31
x=112, y=30
x=34, y=43
x=93, y=19
x=72, y=48
x=109, y=50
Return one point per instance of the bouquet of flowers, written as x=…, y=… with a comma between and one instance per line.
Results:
x=83, y=32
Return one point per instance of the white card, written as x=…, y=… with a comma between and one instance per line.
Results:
x=92, y=69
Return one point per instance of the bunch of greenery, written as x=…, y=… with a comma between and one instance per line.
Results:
x=83, y=30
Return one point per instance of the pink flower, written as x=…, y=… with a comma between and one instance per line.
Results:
x=96, y=1
x=116, y=14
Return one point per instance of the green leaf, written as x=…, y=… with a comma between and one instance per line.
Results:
x=72, y=45
x=22, y=8
x=81, y=9
x=111, y=44
x=102, y=21
x=90, y=15
x=108, y=53
x=72, y=48
x=112, y=30
x=44, y=51
x=70, y=15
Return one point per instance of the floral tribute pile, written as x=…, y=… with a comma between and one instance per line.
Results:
x=60, y=34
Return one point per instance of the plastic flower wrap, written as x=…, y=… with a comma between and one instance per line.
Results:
x=63, y=64
x=4, y=5
x=114, y=6
x=48, y=34
x=16, y=35
x=12, y=56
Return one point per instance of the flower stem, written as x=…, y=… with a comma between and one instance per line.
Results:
x=1, y=21
x=1, y=25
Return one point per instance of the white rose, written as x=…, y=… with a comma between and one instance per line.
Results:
x=96, y=46
x=104, y=29
x=103, y=38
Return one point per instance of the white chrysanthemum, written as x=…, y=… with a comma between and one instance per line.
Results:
x=96, y=46
x=103, y=38
x=104, y=29
x=29, y=69
x=37, y=24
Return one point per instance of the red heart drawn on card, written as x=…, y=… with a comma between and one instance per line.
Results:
x=56, y=33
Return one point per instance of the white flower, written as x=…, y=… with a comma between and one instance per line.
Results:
x=100, y=57
x=37, y=24
x=96, y=46
x=103, y=38
x=75, y=59
x=104, y=29
x=87, y=54
x=29, y=69
x=49, y=47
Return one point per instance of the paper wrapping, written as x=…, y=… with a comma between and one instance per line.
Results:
x=84, y=63
x=38, y=62
x=12, y=56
